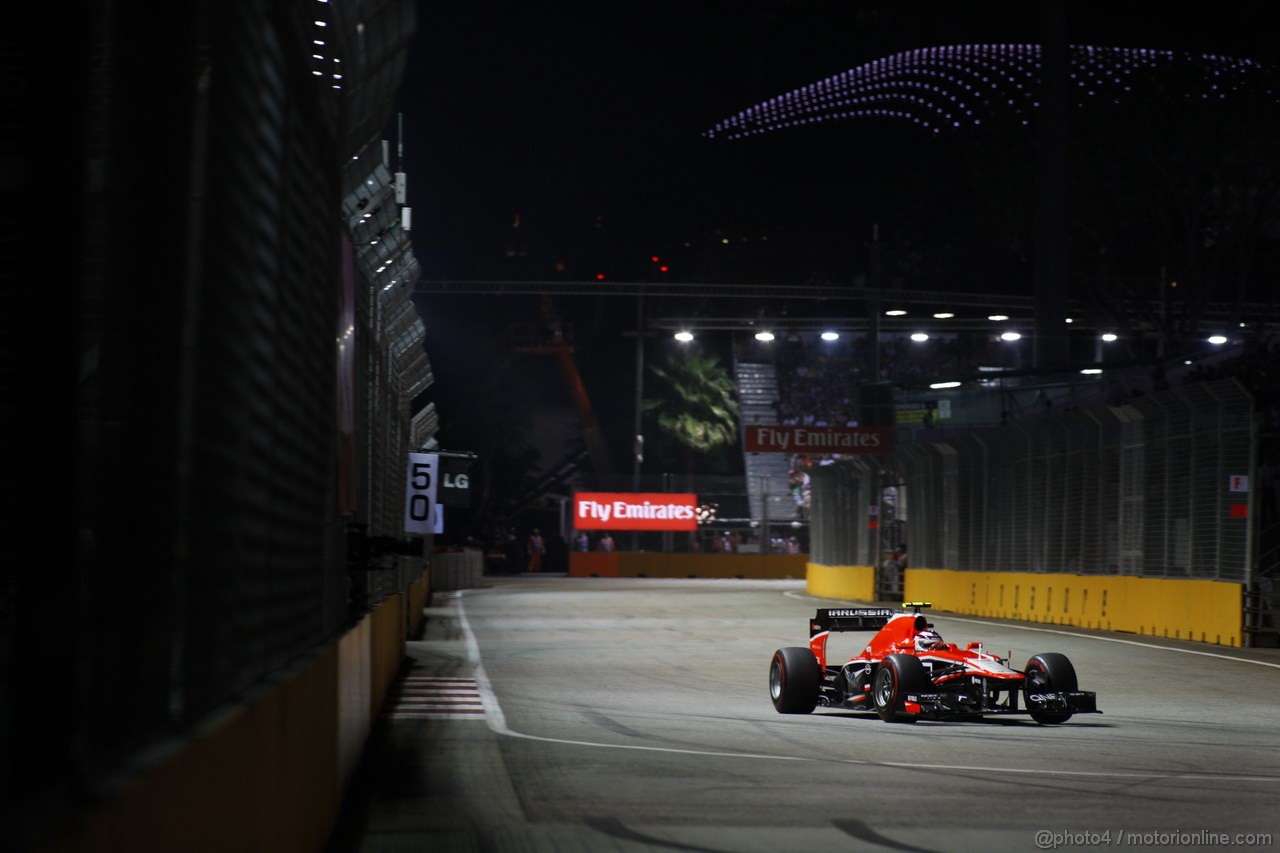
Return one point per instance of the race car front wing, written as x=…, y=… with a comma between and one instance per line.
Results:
x=962, y=703
x=1072, y=702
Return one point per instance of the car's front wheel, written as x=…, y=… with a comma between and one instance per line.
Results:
x=1050, y=672
x=794, y=679
x=896, y=676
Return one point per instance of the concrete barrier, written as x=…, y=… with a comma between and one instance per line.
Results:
x=857, y=583
x=452, y=570
x=1174, y=608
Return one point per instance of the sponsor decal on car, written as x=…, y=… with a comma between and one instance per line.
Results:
x=868, y=611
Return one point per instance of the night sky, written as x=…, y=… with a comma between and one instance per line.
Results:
x=561, y=113
x=583, y=123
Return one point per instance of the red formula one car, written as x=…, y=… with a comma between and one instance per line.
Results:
x=907, y=672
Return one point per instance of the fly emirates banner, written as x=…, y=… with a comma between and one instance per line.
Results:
x=773, y=438
x=634, y=511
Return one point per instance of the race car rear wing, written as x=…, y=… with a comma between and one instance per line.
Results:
x=849, y=619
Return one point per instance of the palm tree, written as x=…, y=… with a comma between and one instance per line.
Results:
x=698, y=411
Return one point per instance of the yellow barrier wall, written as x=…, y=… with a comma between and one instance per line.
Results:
x=853, y=582
x=628, y=564
x=266, y=775
x=387, y=645
x=355, y=697
x=1200, y=610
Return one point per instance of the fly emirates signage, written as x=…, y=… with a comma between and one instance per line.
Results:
x=774, y=438
x=634, y=511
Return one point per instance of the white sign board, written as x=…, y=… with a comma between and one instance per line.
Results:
x=1238, y=482
x=421, y=511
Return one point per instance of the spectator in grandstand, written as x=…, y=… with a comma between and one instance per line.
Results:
x=606, y=542
x=582, y=542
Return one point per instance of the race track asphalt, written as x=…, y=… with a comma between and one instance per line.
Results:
x=633, y=715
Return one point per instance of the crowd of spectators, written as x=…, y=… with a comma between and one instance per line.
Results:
x=905, y=360
x=817, y=393
x=817, y=386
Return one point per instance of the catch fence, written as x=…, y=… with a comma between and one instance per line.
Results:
x=1157, y=487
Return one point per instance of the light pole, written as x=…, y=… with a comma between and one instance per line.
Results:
x=638, y=455
x=638, y=450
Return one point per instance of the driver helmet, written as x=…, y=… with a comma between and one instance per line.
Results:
x=928, y=640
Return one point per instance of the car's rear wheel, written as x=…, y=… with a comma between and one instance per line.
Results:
x=897, y=676
x=1050, y=672
x=794, y=678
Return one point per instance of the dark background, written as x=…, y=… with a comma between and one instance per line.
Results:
x=565, y=142
x=567, y=112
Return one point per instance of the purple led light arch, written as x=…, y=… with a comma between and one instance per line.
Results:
x=956, y=86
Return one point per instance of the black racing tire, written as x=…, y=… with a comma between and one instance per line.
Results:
x=794, y=679
x=1050, y=672
x=896, y=676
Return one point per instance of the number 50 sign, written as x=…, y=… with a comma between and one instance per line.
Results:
x=421, y=511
